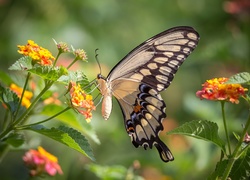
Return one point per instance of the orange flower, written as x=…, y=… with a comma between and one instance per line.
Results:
x=37, y=53
x=81, y=101
x=40, y=161
x=26, y=97
x=52, y=100
x=216, y=89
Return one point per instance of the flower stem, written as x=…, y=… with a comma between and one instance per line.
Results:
x=225, y=126
x=5, y=122
x=21, y=99
x=59, y=53
x=40, y=122
x=237, y=150
x=22, y=118
x=72, y=63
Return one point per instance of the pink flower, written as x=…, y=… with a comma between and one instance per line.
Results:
x=40, y=161
x=247, y=138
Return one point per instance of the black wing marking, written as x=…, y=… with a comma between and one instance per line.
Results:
x=143, y=120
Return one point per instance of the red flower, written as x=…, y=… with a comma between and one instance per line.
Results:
x=216, y=89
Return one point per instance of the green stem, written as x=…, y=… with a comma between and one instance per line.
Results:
x=72, y=63
x=21, y=99
x=5, y=120
x=237, y=150
x=40, y=122
x=225, y=126
x=58, y=54
x=22, y=118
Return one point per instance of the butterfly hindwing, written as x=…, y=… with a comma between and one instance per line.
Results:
x=143, y=115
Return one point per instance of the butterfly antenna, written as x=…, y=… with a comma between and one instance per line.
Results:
x=96, y=58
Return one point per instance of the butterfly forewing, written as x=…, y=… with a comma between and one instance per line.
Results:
x=169, y=49
x=139, y=77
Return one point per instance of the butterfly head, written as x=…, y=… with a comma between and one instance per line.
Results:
x=99, y=76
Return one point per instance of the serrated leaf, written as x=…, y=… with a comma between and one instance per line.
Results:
x=9, y=98
x=240, y=78
x=23, y=63
x=15, y=139
x=48, y=72
x=241, y=168
x=201, y=129
x=71, y=119
x=76, y=76
x=67, y=136
x=219, y=170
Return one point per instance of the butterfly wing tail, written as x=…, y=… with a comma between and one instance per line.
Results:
x=164, y=151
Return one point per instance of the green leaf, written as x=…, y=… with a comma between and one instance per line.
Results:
x=219, y=170
x=23, y=63
x=241, y=168
x=67, y=136
x=15, y=139
x=71, y=119
x=108, y=172
x=49, y=72
x=9, y=98
x=76, y=76
x=240, y=78
x=5, y=78
x=113, y=172
x=201, y=129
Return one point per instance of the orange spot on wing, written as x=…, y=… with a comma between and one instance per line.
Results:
x=137, y=108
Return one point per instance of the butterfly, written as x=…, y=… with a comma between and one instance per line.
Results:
x=137, y=80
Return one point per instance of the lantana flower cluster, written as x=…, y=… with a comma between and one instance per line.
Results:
x=216, y=89
x=37, y=53
x=40, y=161
x=82, y=101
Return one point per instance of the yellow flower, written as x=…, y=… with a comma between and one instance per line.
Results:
x=37, y=53
x=26, y=97
x=47, y=155
x=81, y=101
x=216, y=89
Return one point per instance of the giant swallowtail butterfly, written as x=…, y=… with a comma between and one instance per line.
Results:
x=137, y=80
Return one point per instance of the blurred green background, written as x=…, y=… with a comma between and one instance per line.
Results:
x=115, y=27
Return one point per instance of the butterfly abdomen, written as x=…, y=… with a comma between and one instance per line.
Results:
x=107, y=97
x=106, y=106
